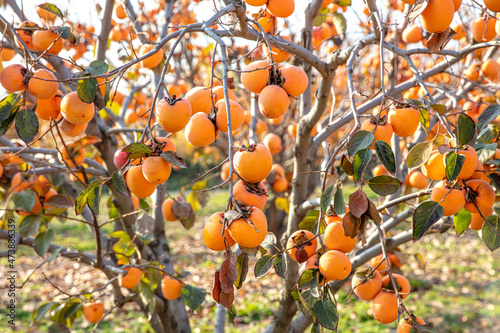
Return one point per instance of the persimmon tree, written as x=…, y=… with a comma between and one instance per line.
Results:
x=406, y=109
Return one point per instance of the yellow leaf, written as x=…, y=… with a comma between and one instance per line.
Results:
x=282, y=204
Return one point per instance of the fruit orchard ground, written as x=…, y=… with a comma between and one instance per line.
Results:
x=448, y=292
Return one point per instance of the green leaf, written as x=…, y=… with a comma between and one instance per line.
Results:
x=325, y=311
x=488, y=134
x=72, y=309
x=338, y=202
x=29, y=225
x=490, y=236
x=42, y=310
x=122, y=248
x=120, y=234
x=193, y=296
x=466, y=129
x=360, y=162
x=174, y=159
x=419, y=154
x=326, y=198
x=91, y=196
x=51, y=8
x=439, y=108
x=359, y=141
x=60, y=201
x=279, y=264
x=453, y=163
x=242, y=267
x=495, y=180
x=346, y=165
x=107, y=91
x=263, y=266
x=487, y=116
x=24, y=200
x=339, y=22
x=321, y=17
x=309, y=221
x=426, y=214
x=42, y=241
x=343, y=3
x=97, y=67
x=136, y=150
x=462, y=220
x=386, y=156
x=485, y=151
x=425, y=120
x=65, y=32
x=120, y=184
x=308, y=278
x=27, y=124
x=384, y=185
x=9, y=107
x=87, y=89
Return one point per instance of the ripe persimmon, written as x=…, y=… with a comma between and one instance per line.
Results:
x=218, y=93
x=301, y=245
x=256, y=197
x=332, y=219
x=156, y=169
x=417, y=180
x=437, y=15
x=93, y=311
x=273, y=142
x=137, y=183
x=492, y=5
x=481, y=193
x=335, y=238
x=135, y=201
x=256, y=2
x=434, y=167
x=166, y=209
x=280, y=185
x=268, y=23
x=380, y=170
x=41, y=185
x=255, y=76
x=26, y=34
x=279, y=55
x=253, y=164
x=454, y=200
x=483, y=30
x=171, y=288
x=335, y=265
x=70, y=129
x=412, y=34
x=78, y=156
x=491, y=70
x=247, y=235
x=385, y=307
x=368, y=289
x=469, y=165
x=382, y=131
x=12, y=78
x=401, y=282
x=74, y=110
x=212, y=233
x=278, y=170
x=44, y=14
x=404, y=121
x=200, y=130
x=237, y=115
x=281, y=8
x=47, y=40
x=477, y=221
x=43, y=84
x=6, y=54
x=173, y=117
x=19, y=182
x=200, y=99
x=49, y=108
x=295, y=80
x=405, y=325
x=273, y=101
x=132, y=278
x=153, y=60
